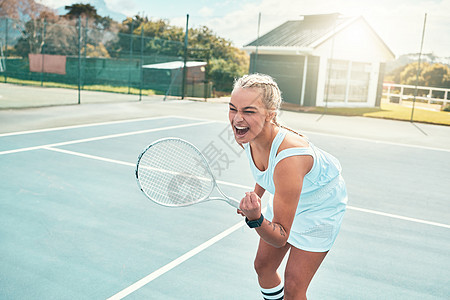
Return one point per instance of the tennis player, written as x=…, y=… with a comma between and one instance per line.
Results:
x=308, y=192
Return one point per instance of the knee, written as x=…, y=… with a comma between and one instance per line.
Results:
x=259, y=265
x=294, y=288
x=263, y=266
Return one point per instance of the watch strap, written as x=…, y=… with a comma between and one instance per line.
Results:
x=254, y=223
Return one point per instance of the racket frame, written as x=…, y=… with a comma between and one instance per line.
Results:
x=230, y=200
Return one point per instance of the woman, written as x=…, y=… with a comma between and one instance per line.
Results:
x=309, y=194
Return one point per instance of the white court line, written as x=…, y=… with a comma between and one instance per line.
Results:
x=91, y=156
x=127, y=164
x=398, y=217
x=142, y=282
x=93, y=124
x=225, y=122
x=104, y=137
x=368, y=140
x=377, y=141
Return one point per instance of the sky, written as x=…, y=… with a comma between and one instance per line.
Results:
x=398, y=22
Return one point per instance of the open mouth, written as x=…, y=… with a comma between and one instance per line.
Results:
x=240, y=131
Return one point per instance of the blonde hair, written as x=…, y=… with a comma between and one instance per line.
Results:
x=270, y=93
x=268, y=88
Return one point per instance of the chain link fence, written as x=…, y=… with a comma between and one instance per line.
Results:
x=77, y=54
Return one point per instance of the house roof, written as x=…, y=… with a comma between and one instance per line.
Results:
x=300, y=33
x=306, y=34
x=171, y=65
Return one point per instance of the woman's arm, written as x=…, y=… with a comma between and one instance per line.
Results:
x=288, y=179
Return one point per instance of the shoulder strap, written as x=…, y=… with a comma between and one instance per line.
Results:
x=293, y=152
x=279, y=138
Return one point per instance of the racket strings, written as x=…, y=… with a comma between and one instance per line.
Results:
x=173, y=172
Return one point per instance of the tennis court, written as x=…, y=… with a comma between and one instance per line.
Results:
x=74, y=225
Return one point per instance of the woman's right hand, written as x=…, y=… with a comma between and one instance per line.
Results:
x=251, y=206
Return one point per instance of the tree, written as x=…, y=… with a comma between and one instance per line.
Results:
x=161, y=38
x=59, y=34
x=432, y=75
x=80, y=9
x=29, y=16
x=409, y=74
x=22, y=9
x=436, y=75
x=49, y=36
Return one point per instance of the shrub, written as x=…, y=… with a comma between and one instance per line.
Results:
x=446, y=107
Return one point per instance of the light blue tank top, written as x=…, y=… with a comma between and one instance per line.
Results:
x=326, y=168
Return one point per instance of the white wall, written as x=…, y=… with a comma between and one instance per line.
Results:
x=356, y=43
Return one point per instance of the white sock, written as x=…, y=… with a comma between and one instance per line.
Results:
x=276, y=293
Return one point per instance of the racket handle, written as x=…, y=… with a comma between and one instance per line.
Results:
x=233, y=202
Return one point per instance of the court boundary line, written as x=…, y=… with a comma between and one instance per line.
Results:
x=206, y=120
x=375, y=212
x=103, y=137
x=96, y=124
x=174, y=263
x=369, y=140
x=378, y=141
x=114, y=161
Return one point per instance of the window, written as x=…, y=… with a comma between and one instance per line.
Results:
x=347, y=81
x=359, y=82
x=336, y=84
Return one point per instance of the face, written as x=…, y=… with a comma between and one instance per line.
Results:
x=247, y=114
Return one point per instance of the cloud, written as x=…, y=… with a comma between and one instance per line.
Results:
x=206, y=11
x=55, y=3
x=127, y=7
x=399, y=24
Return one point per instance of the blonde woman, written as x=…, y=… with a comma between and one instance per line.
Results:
x=309, y=195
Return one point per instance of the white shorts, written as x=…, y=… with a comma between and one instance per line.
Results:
x=318, y=217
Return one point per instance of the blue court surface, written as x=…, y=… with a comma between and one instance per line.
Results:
x=74, y=225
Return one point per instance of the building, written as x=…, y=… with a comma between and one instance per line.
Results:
x=323, y=60
x=168, y=77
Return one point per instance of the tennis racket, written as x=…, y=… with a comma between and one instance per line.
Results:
x=173, y=172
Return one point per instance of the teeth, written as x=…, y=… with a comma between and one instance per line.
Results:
x=240, y=128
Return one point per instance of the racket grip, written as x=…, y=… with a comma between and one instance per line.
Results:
x=233, y=202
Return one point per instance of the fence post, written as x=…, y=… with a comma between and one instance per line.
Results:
x=43, y=53
x=131, y=55
x=389, y=94
x=206, y=81
x=183, y=87
x=83, y=76
x=401, y=96
x=6, y=49
x=418, y=68
x=255, y=59
x=79, y=59
x=142, y=62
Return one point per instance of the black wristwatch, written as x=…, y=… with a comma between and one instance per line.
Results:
x=255, y=223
